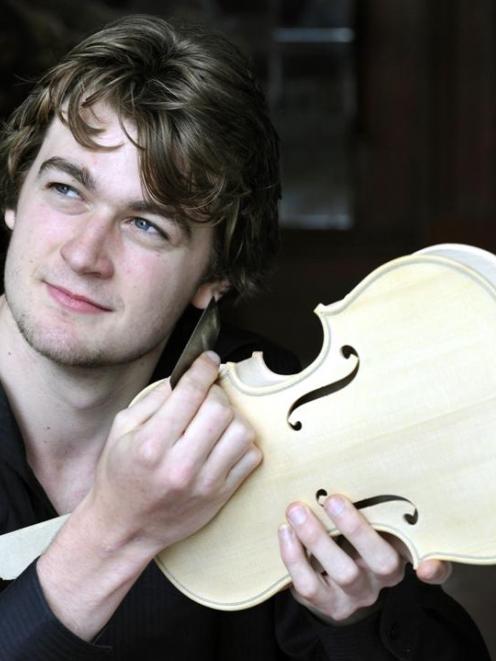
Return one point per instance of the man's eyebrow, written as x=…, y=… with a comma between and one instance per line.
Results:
x=77, y=172
x=83, y=176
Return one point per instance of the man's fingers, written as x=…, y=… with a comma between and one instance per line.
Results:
x=209, y=423
x=380, y=557
x=173, y=418
x=401, y=548
x=237, y=440
x=339, y=566
x=242, y=469
x=306, y=581
x=142, y=408
x=434, y=571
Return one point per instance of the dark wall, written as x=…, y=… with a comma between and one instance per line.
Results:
x=424, y=154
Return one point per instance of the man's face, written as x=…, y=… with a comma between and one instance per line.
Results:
x=95, y=275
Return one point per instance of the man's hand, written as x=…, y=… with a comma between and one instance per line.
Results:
x=170, y=462
x=173, y=459
x=340, y=583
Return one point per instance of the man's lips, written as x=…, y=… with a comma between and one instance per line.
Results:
x=75, y=301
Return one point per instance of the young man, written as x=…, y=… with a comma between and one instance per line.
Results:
x=140, y=177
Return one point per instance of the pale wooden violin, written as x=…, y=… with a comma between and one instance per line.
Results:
x=398, y=412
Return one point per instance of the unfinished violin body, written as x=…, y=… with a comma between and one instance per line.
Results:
x=397, y=412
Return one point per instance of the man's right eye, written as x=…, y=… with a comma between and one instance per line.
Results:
x=64, y=190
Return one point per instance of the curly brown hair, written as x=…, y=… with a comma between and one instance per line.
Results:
x=208, y=150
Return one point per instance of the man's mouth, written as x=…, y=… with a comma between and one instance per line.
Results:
x=75, y=301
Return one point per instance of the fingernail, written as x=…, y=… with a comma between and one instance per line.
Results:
x=297, y=515
x=214, y=357
x=335, y=505
x=285, y=532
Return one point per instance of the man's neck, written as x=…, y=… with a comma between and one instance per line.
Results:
x=64, y=413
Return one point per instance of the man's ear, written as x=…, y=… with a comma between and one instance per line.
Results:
x=9, y=218
x=205, y=291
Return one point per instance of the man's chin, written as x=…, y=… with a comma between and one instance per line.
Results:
x=65, y=350
x=64, y=346
x=70, y=355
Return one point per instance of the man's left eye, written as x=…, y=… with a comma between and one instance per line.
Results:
x=64, y=190
x=145, y=225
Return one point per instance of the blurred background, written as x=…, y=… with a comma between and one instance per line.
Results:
x=386, y=113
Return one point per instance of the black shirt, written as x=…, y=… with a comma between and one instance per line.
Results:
x=156, y=622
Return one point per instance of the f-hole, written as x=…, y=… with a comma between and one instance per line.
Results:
x=328, y=389
x=410, y=518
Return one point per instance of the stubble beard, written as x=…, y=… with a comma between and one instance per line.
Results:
x=57, y=347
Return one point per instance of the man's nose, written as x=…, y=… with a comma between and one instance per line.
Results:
x=88, y=251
